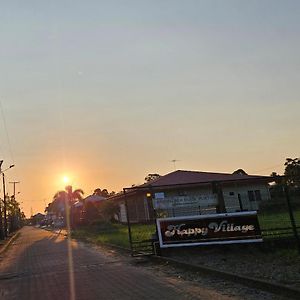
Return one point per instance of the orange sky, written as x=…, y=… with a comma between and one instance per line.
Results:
x=107, y=93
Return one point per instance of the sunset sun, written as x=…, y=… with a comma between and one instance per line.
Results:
x=66, y=179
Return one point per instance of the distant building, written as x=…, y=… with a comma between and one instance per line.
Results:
x=37, y=219
x=183, y=193
x=94, y=199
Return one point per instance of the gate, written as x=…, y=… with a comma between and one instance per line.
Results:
x=141, y=226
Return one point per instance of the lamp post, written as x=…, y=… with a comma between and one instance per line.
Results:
x=4, y=198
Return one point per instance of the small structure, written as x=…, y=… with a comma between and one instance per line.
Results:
x=86, y=210
x=95, y=199
x=190, y=193
x=37, y=219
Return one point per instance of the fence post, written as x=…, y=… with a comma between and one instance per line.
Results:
x=292, y=218
x=128, y=223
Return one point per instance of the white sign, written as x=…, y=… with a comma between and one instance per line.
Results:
x=159, y=195
x=185, y=201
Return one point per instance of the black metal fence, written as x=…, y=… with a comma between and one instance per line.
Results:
x=278, y=215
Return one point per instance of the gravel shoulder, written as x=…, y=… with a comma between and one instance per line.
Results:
x=279, y=265
x=181, y=277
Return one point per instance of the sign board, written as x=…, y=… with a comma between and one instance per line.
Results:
x=159, y=195
x=242, y=227
x=185, y=201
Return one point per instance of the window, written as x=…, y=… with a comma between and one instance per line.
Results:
x=257, y=195
x=251, y=196
x=254, y=195
x=231, y=194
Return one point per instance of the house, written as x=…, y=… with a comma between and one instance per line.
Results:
x=37, y=219
x=183, y=193
x=86, y=210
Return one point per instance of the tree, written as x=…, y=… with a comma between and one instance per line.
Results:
x=276, y=189
x=63, y=198
x=14, y=214
x=108, y=209
x=103, y=193
x=91, y=212
x=292, y=172
x=277, y=178
x=151, y=177
x=73, y=196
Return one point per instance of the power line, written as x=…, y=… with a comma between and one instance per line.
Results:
x=14, y=183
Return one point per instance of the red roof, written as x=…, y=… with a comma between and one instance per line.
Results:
x=193, y=177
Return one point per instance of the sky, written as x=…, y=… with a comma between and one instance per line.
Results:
x=106, y=92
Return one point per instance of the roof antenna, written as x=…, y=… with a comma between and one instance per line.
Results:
x=174, y=162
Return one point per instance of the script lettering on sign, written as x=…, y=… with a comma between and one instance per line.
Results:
x=218, y=228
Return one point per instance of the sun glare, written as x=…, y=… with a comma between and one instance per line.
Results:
x=66, y=179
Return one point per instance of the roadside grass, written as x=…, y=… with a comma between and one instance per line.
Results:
x=277, y=219
x=116, y=234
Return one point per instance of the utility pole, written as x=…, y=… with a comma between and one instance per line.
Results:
x=4, y=206
x=14, y=183
x=1, y=221
x=4, y=198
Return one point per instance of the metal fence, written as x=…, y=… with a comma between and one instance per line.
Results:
x=279, y=220
x=279, y=217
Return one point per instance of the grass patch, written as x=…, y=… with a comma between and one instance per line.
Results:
x=142, y=232
x=116, y=234
x=277, y=219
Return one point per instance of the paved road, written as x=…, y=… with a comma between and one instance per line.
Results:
x=37, y=266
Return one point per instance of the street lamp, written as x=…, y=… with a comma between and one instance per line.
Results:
x=4, y=199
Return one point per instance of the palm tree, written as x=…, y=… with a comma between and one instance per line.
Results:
x=64, y=200
x=73, y=196
x=68, y=195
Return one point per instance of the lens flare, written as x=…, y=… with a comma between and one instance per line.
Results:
x=66, y=179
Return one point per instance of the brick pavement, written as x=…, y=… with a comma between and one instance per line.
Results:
x=36, y=267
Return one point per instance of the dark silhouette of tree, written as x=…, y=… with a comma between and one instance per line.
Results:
x=151, y=177
x=73, y=196
x=91, y=212
x=277, y=178
x=14, y=214
x=103, y=193
x=292, y=172
x=276, y=189
x=63, y=198
x=108, y=209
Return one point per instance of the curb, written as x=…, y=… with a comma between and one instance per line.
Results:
x=7, y=244
x=277, y=289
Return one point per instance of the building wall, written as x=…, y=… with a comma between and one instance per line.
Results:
x=232, y=193
x=236, y=198
x=206, y=206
